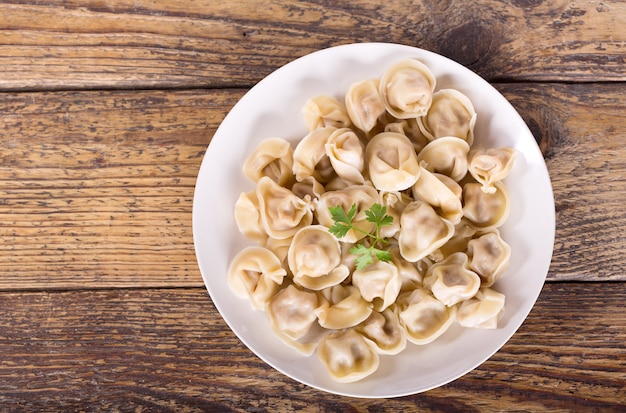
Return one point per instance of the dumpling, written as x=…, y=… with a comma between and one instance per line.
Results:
x=392, y=162
x=422, y=231
x=394, y=202
x=292, y=311
x=314, y=258
x=429, y=188
x=484, y=310
x=489, y=256
x=423, y=316
x=308, y=189
x=489, y=166
x=337, y=184
x=292, y=315
x=410, y=275
x=346, y=154
x=379, y=283
x=463, y=233
x=447, y=155
x=453, y=185
x=407, y=89
x=342, y=307
x=248, y=218
x=450, y=114
x=282, y=213
x=255, y=273
x=383, y=329
x=347, y=356
x=363, y=196
x=451, y=280
x=348, y=258
x=310, y=159
x=364, y=104
x=280, y=247
x=322, y=111
x=411, y=130
x=273, y=158
x=485, y=210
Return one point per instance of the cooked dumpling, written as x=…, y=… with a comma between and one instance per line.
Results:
x=383, y=329
x=411, y=130
x=363, y=196
x=348, y=258
x=453, y=185
x=489, y=166
x=422, y=231
x=463, y=233
x=314, y=258
x=379, y=283
x=337, y=184
x=310, y=159
x=346, y=154
x=450, y=114
x=407, y=89
x=447, y=155
x=280, y=247
x=429, y=188
x=485, y=210
x=489, y=256
x=273, y=158
x=342, y=307
x=292, y=311
x=423, y=316
x=348, y=356
x=410, y=275
x=451, y=280
x=483, y=310
x=392, y=162
x=364, y=104
x=255, y=273
x=282, y=212
x=322, y=111
x=308, y=189
x=248, y=218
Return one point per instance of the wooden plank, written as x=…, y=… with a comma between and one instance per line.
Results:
x=96, y=189
x=580, y=129
x=184, y=44
x=157, y=349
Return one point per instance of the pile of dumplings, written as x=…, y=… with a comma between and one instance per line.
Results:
x=399, y=142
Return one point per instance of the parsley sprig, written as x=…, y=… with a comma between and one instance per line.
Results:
x=376, y=214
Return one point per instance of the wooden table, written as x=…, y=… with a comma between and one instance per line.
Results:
x=106, y=110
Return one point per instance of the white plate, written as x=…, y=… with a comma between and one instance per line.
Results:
x=272, y=109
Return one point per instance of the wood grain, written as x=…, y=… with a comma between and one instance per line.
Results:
x=48, y=45
x=96, y=189
x=580, y=129
x=106, y=111
x=169, y=350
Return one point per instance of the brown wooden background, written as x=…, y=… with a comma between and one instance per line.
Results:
x=106, y=110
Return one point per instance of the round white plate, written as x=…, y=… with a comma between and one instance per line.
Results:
x=272, y=109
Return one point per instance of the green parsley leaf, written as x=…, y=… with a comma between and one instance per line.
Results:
x=363, y=256
x=376, y=214
x=342, y=221
x=382, y=255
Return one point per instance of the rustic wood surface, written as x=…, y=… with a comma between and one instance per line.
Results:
x=163, y=349
x=106, y=111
